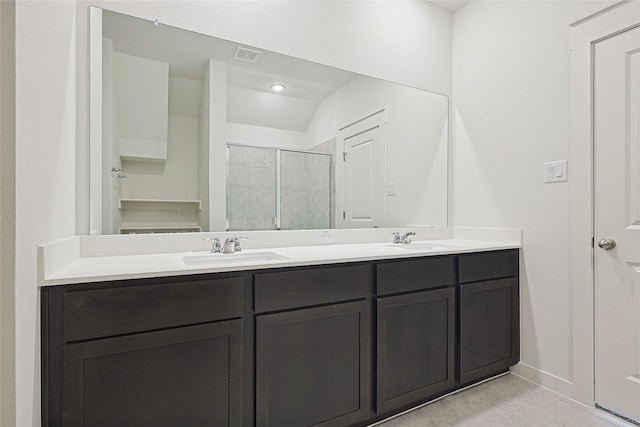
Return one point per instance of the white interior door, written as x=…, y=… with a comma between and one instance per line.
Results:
x=617, y=219
x=363, y=173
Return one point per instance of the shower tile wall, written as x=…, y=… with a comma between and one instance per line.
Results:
x=251, y=188
x=305, y=180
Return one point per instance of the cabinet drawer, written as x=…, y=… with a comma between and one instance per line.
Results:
x=411, y=275
x=298, y=288
x=487, y=265
x=99, y=313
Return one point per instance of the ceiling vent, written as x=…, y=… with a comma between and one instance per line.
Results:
x=246, y=54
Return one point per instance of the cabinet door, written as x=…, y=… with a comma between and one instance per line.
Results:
x=416, y=334
x=489, y=328
x=313, y=366
x=189, y=376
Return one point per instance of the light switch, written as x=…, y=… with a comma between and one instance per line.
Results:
x=391, y=188
x=555, y=171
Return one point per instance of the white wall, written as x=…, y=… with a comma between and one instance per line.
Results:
x=217, y=144
x=408, y=42
x=266, y=137
x=511, y=114
x=45, y=174
x=324, y=123
x=108, y=142
x=203, y=150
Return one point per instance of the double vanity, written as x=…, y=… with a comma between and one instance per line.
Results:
x=333, y=335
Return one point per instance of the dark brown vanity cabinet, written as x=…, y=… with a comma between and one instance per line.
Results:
x=331, y=345
x=415, y=331
x=489, y=313
x=147, y=353
x=313, y=346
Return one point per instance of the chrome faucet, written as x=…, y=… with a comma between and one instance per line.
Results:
x=232, y=244
x=404, y=239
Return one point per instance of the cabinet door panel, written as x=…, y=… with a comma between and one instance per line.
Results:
x=416, y=335
x=313, y=366
x=185, y=376
x=489, y=319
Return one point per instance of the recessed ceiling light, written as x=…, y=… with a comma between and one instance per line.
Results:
x=277, y=87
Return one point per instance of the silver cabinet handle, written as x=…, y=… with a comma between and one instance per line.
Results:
x=607, y=244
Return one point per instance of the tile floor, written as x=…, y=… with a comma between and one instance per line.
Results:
x=506, y=401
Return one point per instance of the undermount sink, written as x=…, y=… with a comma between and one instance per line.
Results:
x=234, y=258
x=423, y=246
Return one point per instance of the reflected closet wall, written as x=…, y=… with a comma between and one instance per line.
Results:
x=272, y=188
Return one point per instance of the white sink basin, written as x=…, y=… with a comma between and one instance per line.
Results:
x=423, y=246
x=235, y=258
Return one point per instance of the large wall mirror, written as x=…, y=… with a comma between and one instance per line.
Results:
x=193, y=133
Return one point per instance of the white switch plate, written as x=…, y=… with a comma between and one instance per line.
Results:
x=555, y=171
x=391, y=188
x=325, y=236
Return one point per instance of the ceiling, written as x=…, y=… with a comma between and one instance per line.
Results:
x=250, y=99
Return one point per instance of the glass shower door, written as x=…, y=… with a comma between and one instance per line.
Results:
x=305, y=190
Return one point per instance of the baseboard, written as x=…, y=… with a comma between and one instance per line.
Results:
x=544, y=379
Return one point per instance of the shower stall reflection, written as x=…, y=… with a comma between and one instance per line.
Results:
x=273, y=188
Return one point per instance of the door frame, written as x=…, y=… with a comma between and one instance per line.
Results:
x=583, y=34
x=378, y=118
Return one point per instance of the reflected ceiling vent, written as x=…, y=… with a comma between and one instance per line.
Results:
x=246, y=54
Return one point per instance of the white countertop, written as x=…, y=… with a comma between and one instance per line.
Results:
x=70, y=265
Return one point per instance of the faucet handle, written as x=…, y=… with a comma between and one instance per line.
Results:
x=236, y=243
x=216, y=246
x=396, y=237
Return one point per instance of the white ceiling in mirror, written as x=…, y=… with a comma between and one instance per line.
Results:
x=251, y=100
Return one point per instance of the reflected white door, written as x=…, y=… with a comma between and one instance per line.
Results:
x=617, y=219
x=363, y=161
